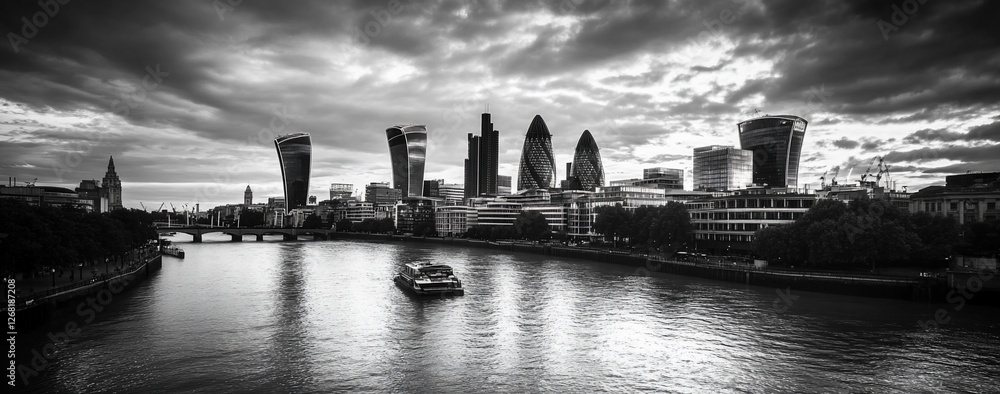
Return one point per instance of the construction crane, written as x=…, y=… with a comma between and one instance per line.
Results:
x=868, y=170
x=160, y=209
x=172, y=208
x=32, y=183
x=836, y=172
x=822, y=180
x=143, y=206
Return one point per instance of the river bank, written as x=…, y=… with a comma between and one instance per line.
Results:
x=36, y=309
x=972, y=287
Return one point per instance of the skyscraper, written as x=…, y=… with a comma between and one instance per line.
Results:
x=408, y=152
x=295, y=157
x=722, y=168
x=248, y=196
x=112, y=186
x=482, y=162
x=537, y=169
x=489, y=152
x=472, y=167
x=776, y=142
x=587, y=167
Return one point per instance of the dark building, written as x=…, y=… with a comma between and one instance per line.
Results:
x=776, y=142
x=380, y=194
x=295, y=157
x=722, y=168
x=483, y=160
x=432, y=188
x=248, y=196
x=408, y=153
x=537, y=169
x=587, y=169
x=472, y=167
x=112, y=186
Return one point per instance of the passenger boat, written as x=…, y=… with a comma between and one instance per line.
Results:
x=428, y=278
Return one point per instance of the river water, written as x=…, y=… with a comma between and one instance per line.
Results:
x=325, y=316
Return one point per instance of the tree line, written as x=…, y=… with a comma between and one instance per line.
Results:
x=867, y=233
x=45, y=237
x=655, y=228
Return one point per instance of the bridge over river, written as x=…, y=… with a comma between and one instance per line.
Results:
x=289, y=234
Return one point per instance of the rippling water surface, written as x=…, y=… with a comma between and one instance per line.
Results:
x=326, y=316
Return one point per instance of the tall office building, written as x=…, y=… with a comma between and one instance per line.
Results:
x=587, y=167
x=295, y=156
x=489, y=156
x=339, y=191
x=472, y=167
x=776, y=142
x=483, y=160
x=722, y=168
x=537, y=169
x=112, y=186
x=408, y=153
x=248, y=196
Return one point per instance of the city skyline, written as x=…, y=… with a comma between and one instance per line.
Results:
x=203, y=93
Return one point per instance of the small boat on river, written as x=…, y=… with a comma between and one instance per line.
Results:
x=429, y=278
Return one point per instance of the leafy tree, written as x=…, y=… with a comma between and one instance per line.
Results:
x=312, y=222
x=344, y=225
x=532, y=225
x=613, y=222
x=251, y=218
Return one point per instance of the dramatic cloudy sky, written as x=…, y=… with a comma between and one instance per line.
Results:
x=651, y=80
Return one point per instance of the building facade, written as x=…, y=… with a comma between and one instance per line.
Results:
x=339, y=191
x=656, y=177
x=537, y=168
x=408, y=153
x=248, y=196
x=776, y=142
x=587, y=169
x=380, y=194
x=295, y=157
x=503, y=184
x=722, y=168
x=727, y=224
x=968, y=198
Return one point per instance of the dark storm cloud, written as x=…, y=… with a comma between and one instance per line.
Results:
x=987, y=132
x=845, y=143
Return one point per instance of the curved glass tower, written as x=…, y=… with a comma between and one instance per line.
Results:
x=408, y=152
x=587, y=167
x=295, y=156
x=537, y=169
x=776, y=142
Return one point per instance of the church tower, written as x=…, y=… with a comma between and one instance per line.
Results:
x=111, y=187
x=248, y=196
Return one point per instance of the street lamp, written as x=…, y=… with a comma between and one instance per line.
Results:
x=53, y=278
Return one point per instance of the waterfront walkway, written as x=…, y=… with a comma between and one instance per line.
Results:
x=61, y=280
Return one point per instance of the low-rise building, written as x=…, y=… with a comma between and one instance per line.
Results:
x=727, y=224
x=968, y=198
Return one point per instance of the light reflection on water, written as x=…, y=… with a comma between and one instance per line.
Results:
x=326, y=316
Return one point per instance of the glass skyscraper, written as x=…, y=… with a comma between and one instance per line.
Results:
x=587, y=167
x=776, y=142
x=483, y=160
x=295, y=156
x=408, y=153
x=537, y=169
x=721, y=168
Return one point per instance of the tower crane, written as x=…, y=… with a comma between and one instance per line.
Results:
x=32, y=183
x=868, y=170
x=822, y=180
x=160, y=209
x=172, y=208
x=143, y=206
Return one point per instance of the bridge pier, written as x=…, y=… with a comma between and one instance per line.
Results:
x=317, y=237
x=289, y=237
x=260, y=237
x=197, y=238
x=237, y=238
